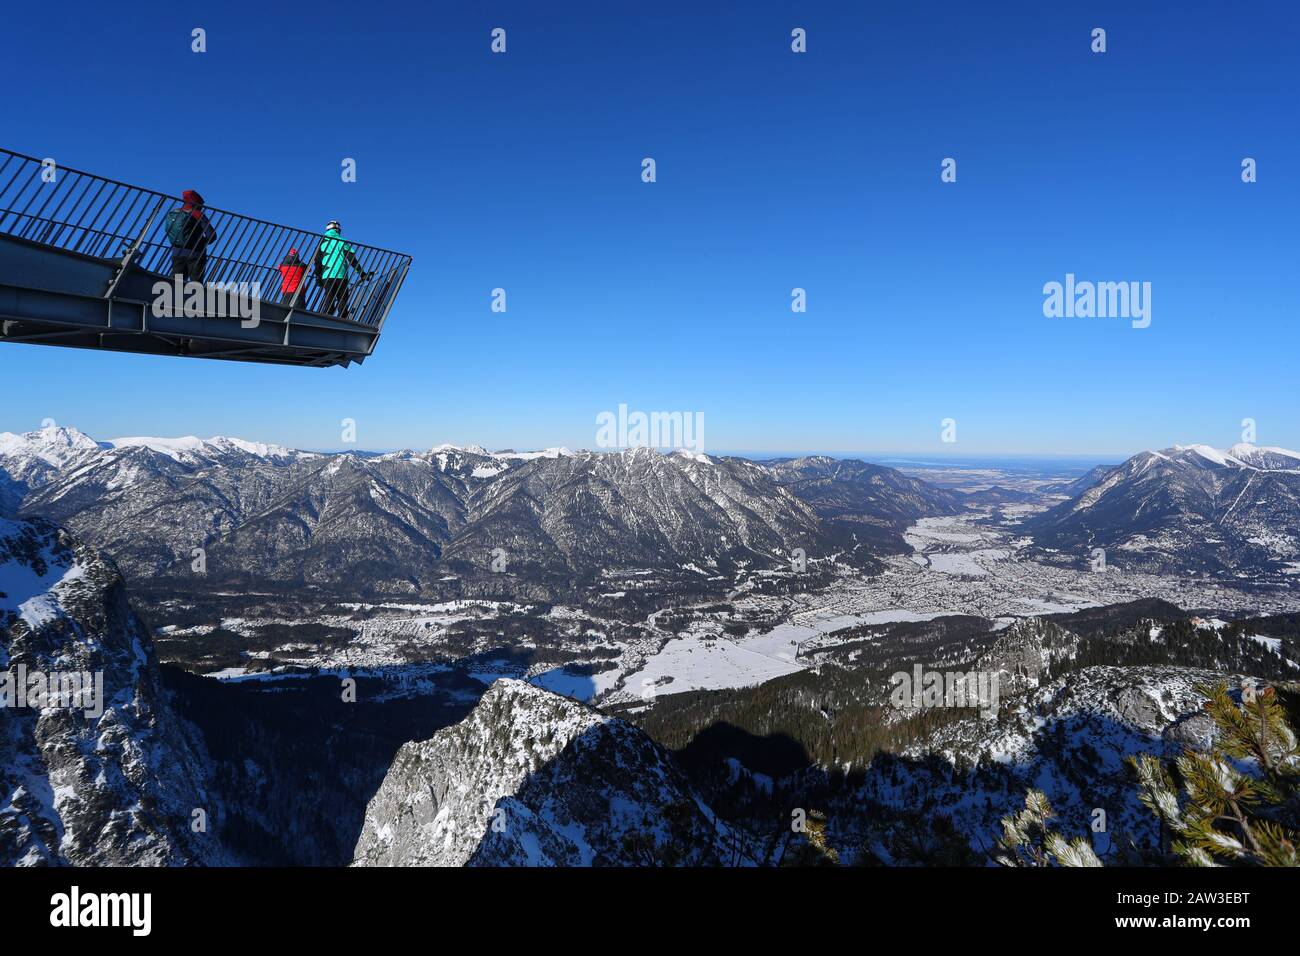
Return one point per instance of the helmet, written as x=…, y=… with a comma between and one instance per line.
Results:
x=332, y=224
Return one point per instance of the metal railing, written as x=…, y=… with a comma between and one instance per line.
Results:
x=94, y=216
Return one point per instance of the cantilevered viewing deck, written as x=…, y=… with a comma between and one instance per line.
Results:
x=84, y=261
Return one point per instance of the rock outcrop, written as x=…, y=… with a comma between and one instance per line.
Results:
x=531, y=778
x=106, y=773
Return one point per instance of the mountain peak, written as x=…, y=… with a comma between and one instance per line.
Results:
x=1265, y=456
x=560, y=452
x=52, y=444
x=689, y=455
x=1189, y=509
x=190, y=446
x=64, y=436
x=447, y=448
x=1240, y=455
x=1209, y=454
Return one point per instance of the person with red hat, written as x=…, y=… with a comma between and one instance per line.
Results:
x=292, y=271
x=190, y=234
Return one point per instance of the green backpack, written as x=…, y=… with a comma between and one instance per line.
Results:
x=179, y=226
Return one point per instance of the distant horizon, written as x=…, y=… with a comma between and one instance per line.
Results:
x=892, y=458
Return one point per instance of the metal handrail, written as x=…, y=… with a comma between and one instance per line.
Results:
x=92, y=215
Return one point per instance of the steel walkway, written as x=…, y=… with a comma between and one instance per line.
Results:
x=86, y=262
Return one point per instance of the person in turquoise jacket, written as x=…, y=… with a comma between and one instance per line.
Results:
x=333, y=256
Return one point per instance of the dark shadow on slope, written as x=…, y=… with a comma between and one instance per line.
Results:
x=928, y=810
x=294, y=765
x=776, y=755
x=920, y=810
x=1079, y=764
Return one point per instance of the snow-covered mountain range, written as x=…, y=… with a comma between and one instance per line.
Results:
x=1186, y=509
x=398, y=522
x=403, y=521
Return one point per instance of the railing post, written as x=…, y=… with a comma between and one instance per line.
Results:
x=392, y=297
x=130, y=252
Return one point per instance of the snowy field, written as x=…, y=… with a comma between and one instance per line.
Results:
x=700, y=663
x=960, y=567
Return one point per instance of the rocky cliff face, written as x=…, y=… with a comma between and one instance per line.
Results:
x=117, y=778
x=531, y=778
x=1024, y=655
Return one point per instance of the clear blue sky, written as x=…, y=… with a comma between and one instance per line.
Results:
x=775, y=170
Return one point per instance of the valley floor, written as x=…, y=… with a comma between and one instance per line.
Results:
x=964, y=565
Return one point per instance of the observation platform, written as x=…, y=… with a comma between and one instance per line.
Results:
x=88, y=262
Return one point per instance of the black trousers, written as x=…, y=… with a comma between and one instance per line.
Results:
x=336, y=297
x=189, y=264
